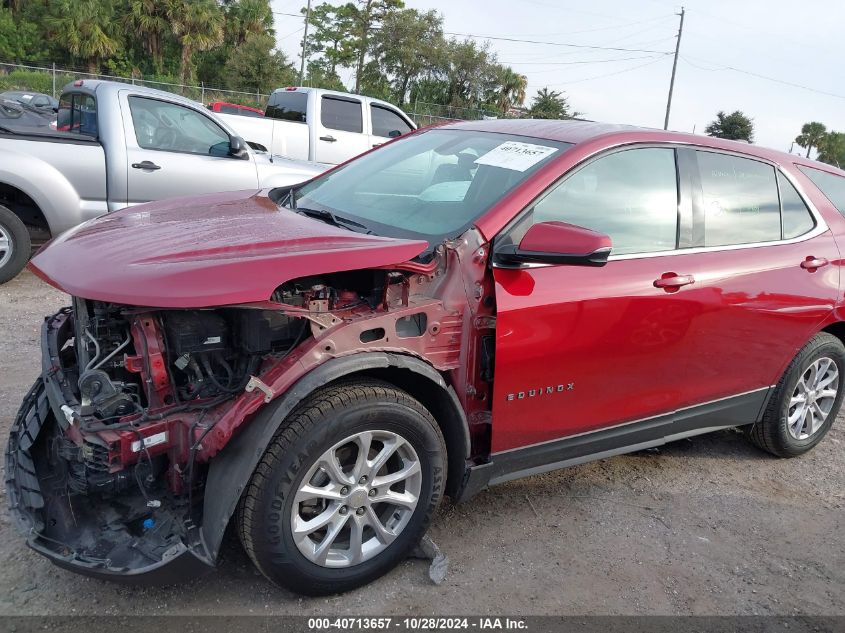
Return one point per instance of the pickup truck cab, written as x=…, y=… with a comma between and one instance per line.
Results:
x=322, y=372
x=117, y=145
x=322, y=125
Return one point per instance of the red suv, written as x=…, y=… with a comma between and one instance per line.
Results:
x=234, y=108
x=463, y=306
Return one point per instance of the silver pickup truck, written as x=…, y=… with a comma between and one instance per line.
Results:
x=115, y=145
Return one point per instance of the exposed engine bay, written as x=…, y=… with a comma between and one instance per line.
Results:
x=139, y=394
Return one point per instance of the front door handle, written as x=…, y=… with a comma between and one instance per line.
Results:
x=330, y=139
x=377, y=144
x=811, y=264
x=670, y=282
x=148, y=165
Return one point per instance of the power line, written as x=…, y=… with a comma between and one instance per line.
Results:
x=521, y=41
x=618, y=72
x=580, y=61
x=759, y=76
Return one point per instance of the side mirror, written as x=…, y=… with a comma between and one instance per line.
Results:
x=237, y=147
x=557, y=243
x=394, y=133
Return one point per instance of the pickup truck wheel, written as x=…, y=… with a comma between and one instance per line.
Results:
x=15, y=246
x=806, y=400
x=345, y=490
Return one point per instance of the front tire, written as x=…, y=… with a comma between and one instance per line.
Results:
x=805, y=402
x=345, y=490
x=15, y=245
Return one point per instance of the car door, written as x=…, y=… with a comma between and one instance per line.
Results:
x=580, y=348
x=174, y=150
x=766, y=272
x=386, y=124
x=340, y=130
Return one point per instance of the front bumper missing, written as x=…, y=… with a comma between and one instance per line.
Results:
x=86, y=534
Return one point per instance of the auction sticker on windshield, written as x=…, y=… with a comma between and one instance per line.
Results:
x=515, y=155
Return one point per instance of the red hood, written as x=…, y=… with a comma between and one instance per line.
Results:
x=205, y=251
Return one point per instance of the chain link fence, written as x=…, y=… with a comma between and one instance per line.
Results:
x=50, y=79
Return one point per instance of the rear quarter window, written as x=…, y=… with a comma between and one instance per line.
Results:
x=831, y=185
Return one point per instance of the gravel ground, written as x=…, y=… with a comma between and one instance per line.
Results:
x=704, y=526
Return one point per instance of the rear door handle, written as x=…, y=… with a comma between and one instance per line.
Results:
x=670, y=282
x=812, y=263
x=330, y=139
x=148, y=165
x=377, y=144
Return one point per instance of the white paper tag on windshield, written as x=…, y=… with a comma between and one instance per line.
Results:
x=516, y=156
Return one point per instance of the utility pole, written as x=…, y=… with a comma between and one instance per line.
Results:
x=305, y=43
x=674, y=68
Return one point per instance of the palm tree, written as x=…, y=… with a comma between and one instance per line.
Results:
x=148, y=18
x=512, y=88
x=82, y=26
x=248, y=17
x=811, y=134
x=198, y=26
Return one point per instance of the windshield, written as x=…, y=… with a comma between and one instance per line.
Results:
x=432, y=185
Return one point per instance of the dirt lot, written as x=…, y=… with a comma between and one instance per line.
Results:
x=703, y=526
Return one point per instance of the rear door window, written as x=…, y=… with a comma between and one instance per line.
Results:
x=740, y=196
x=831, y=185
x=387, y=123
x=341, y=114
x=288, y=106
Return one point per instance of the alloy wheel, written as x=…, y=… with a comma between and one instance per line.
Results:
x=6, y=246
x=356, y=499
x=813, y=398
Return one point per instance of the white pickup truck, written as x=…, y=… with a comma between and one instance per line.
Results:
x=117, y=145
x=321, y=125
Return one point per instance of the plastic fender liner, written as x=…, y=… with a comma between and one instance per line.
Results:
x=230, y=471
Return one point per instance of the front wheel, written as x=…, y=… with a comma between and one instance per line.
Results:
x=805, y=402
x=15, y=245
x=344, y=491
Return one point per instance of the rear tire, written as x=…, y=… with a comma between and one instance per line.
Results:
x=316, y=471
x=15, y=245
x=806, y=401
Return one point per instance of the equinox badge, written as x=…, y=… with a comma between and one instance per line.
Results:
x=542, y=391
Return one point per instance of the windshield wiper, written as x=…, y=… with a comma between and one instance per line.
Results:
x=336, y=220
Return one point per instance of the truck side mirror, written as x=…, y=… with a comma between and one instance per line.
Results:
x=394, y=133
x=557, y=243
x=237, y=147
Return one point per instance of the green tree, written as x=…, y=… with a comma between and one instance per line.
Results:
x=18, y=39
x=255, y=66
x=735, y=126
x=198, y=26
x=320, y=75
x=247, y=17
x=811, y=134
x=149, y=20
x=331, y=38
x=406, y=46
x=366, y=17
x=84, y=29
x=832, y=149
x=550, y=104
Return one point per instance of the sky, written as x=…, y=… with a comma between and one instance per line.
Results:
x=780, y=62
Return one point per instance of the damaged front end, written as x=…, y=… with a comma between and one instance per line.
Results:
x=109, y=455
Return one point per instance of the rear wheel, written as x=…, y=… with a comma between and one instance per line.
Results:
x=15, y=245
x=806, y=400
x=346, y=488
